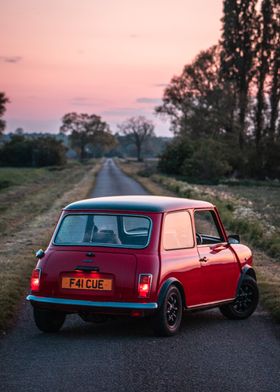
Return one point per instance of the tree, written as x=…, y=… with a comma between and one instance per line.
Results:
x=275, y=68
x=3, y=101
x=86, y=129
x=238, y=43
x=197, y=102
x=263, y=61
x=139, y=129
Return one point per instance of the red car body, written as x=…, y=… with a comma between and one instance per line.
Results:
x=135, y=280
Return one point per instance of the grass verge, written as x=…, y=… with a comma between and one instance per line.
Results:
x=37, y=207
x=237, y=217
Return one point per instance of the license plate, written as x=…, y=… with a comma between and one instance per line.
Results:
x=87, y=284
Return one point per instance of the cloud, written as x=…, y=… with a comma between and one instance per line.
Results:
x=83, y=101
x=129, y=111
x=11, y=59
x=133, y=36
x=148, y=100
x=161, y=84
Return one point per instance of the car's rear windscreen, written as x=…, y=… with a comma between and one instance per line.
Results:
x=130, y=231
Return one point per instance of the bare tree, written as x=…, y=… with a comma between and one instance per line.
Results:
x=139, y=130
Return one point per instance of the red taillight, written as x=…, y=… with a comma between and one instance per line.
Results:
x=35, y=280
x=144, y=285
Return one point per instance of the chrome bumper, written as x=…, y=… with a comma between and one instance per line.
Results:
x=93, y=304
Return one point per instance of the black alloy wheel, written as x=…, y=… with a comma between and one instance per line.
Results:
x=167, y=320
x=246, y=301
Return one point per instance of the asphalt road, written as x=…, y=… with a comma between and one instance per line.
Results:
x=210, y=353
x=111, y=181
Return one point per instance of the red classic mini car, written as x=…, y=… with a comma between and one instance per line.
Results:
x=141, y=256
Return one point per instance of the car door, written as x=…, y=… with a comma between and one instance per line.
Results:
x=220, y=269
x=179, y=255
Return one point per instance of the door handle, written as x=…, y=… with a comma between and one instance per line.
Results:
x=218, y=247
x=203, y=259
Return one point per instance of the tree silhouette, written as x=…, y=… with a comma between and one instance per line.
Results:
x=238, y=42
x=264, y=48
x=197, y=101
x=139, y=130
x=86, y=129
x=3, y=101
x=275, y=72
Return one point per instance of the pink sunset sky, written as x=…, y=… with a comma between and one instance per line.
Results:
x=107, y=57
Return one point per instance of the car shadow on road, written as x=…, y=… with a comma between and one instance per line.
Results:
x=127, y=328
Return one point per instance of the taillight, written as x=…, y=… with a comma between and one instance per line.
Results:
x=35, y=279
x=144, y=285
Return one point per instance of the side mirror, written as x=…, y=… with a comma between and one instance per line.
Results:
x=234, y=239
x=40, y=254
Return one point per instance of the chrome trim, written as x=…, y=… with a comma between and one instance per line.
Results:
x=94, y=304
x=211, y=303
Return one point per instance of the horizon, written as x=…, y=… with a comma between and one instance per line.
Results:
x=93, y=64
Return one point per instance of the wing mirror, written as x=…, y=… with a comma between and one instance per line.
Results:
x=40, y=254
x=234, y=239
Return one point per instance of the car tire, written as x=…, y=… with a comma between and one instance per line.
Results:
x=48, y=320
x=167, y=320
x=245, y=302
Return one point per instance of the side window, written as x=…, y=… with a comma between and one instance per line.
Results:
x=207, y=228
x=177, y=231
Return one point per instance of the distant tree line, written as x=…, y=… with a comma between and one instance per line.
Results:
x=86, y=134
x=224, y=107
x=151, y=147
x=41, y=151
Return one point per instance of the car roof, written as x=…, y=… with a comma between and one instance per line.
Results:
x=137, y=203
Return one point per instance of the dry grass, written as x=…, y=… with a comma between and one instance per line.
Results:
x=263, y=199
x=30, y=216
x=268, y=269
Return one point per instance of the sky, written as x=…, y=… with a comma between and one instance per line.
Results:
x=112, y=58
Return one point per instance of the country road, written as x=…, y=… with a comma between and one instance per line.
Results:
x=210, y=353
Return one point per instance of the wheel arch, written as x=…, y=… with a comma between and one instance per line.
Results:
x=247, y=270
x=164, y=288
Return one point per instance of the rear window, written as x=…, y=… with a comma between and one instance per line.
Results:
x=127, y=231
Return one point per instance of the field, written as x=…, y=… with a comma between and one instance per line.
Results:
x=264, y=200
x=250, y=210
x=30, y=204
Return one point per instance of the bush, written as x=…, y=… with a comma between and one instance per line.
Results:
x=42, y=151
x=174, y=155
x=207, y=162
x=195, y=160
x=149, y=168
x=272, y=160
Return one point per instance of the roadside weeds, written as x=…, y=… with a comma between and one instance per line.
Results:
x=17, y=251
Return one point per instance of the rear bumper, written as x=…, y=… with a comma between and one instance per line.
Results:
x=92, y=304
